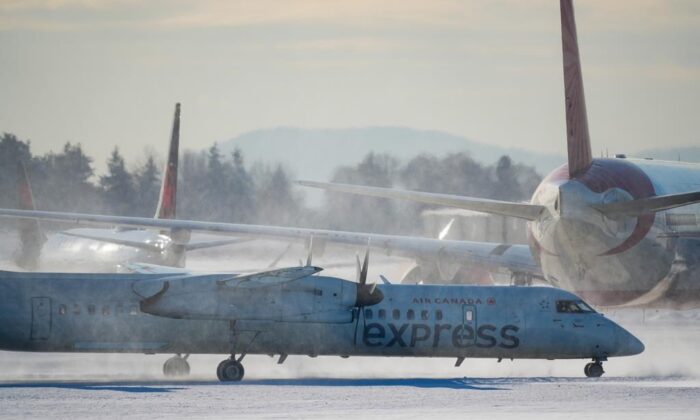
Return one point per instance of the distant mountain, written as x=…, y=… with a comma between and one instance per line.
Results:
x=316, y=153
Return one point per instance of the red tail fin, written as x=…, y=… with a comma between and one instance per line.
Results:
x=167, y=203
x=577, y=138
x=26, y=198
x=30, y=233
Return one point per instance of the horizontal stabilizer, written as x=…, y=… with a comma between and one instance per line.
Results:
x=193, y=246
x=641, y=206
x=114, y=240
x=504, y=208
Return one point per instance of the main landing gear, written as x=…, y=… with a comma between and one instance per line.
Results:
x=176, y=366
x=231, y=369
x=594, y=369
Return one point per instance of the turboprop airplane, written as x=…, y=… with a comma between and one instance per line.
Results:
x=106, y=249
x=294, y=311
x=615, y=231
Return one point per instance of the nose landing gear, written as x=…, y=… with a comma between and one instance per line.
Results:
x=230, y=370
x=594, y=369
x=176, y=366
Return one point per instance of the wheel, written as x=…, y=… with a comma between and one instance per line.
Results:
x=594, y=370
x=230, y=370
x=176, y=366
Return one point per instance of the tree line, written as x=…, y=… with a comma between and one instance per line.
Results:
x=217, y=187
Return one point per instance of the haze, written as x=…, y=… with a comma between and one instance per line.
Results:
x=108, y=72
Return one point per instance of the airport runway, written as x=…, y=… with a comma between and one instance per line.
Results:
x=493, y=398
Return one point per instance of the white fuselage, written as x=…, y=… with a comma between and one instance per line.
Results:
x=617, y=260
x=64, y=252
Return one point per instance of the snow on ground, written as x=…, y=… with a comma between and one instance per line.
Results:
x=493, y=398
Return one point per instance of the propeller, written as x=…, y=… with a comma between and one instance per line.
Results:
x=367, y=294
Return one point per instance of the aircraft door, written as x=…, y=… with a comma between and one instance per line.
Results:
x=467, y=335
x=41, y=318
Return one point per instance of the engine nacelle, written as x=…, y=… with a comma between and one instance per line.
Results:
x=307, y=299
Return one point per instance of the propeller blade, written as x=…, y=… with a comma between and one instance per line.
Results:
x=357, y=323
x=384, y=279
x=365, y=266
x=372, y=287
x=358, y=268
x=311, y=251
x=277, y=259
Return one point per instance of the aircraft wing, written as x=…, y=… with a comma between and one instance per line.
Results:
x=107, y=237
x=493, y=256
x=505, y=208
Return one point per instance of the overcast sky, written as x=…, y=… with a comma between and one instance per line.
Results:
x=109, y=72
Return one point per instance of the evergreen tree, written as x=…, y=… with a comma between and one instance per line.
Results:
x=118, y=186
x=147, y=185
x=12, y=150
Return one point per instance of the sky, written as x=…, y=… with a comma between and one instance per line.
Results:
x=105, y=73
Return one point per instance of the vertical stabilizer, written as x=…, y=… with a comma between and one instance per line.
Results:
x=577, y=138
x=167, y=202
x=31, y=236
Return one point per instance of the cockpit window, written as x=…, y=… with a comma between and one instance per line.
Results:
x=573, y=307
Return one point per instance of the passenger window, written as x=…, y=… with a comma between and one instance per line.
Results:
x=76, y=309
x=396, y=314
x=382, y=314
x=573, y=307
x=105, y=310
x=368, y=313
x=410, y=314
x=62, y=309
x=133, y=310
x=91, y=309
x=424, y=315
x=438, y=315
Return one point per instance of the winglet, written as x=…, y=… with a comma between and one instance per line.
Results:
x=578, y=141
x=167, y=202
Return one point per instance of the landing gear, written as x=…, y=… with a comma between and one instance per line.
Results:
x=594, y=369
x=230, y=370
x=176, y=366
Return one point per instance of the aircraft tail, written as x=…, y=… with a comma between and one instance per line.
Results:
x=578, y=141
x=167, y=202
x=31, y=235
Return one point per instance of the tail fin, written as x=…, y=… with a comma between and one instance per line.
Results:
x=167, y=202
x=577, y=139
x=31, y=235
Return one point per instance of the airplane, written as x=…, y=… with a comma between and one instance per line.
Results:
x=294, y=311
x=108, y=249
x=615, y=231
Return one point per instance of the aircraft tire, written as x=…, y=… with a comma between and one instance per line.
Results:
x=176, y=366
x=594, y=370
x=230, y=370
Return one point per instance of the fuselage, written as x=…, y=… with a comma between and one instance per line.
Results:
x=609, y=260
x=65, y=252
x=102, y=313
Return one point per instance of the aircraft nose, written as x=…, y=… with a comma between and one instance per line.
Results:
x=627, y=344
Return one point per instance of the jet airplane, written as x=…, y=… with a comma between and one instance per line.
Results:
x=107, y=249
